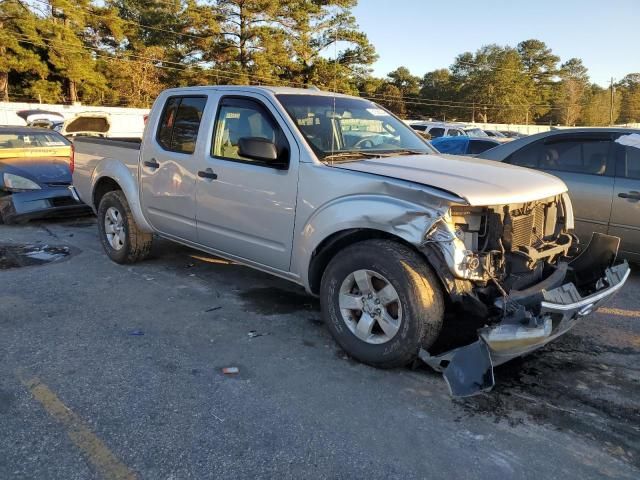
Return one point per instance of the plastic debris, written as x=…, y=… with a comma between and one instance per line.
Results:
x=231, y=370
x=136, y=333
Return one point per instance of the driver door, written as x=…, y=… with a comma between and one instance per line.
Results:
x=245, y=207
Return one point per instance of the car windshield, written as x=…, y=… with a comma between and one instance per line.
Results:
x=24, y=143
x=475, y=132
x=351, y=128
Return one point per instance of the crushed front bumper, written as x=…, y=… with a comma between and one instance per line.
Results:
x=468, y=370
x=59, y=201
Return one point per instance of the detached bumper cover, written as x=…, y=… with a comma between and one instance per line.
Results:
x=48, y=202
x=468, y=370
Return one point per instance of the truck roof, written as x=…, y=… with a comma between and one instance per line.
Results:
x=272, y=90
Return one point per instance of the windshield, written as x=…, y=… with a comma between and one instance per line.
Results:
x=25, y=143
x=475, y=132
x=350, y=127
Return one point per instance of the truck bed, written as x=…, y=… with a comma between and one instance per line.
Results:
x=90, y=151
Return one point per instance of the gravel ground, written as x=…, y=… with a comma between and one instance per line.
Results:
x=109, y=371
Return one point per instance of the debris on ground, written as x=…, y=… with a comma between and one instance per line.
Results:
x=230, y=370
x=213, y=309
x=254, y=334
x=136, y=333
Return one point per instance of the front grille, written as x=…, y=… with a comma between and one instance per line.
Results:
x=528, y=229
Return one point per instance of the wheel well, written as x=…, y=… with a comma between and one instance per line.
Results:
x=104, y=186
x=331, y=245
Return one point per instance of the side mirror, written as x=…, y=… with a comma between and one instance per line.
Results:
x=260, y=149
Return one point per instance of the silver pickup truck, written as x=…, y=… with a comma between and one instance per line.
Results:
x=338, y=195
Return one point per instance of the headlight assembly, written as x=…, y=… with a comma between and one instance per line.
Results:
x=17, y=183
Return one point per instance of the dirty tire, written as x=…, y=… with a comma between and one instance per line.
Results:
x=137, y=244
x=419, y=294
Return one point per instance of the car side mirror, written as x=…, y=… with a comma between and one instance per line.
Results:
x=260, y=149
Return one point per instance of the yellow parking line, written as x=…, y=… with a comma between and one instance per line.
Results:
x=105, y=462
x=620, y=312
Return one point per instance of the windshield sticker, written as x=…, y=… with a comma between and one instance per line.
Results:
x=55, y=144
x=377, y=112
x=631, y=140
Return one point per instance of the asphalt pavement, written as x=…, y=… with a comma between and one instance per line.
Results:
x=110, y=371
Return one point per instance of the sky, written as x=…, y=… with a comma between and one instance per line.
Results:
x=423, y=35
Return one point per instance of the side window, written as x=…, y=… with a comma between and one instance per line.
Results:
x=528, y=156
x=479, y=146
x=166, y=123
x=579, y=156
x=453, y=132
x=180, y=122
x=436, y=132
x=633, y=162
x=419, y=128
x=242, y=118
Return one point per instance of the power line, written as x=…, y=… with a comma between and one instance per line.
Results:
x=229, y=75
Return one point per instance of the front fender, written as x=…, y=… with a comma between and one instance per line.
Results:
x=394, y=216
x=126, y=179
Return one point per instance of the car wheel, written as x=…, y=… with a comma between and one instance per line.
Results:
x=381, y=302
x=121, y=238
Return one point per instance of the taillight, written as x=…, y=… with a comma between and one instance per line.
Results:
x=72, y=158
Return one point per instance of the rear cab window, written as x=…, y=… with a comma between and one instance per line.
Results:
x=180, y=123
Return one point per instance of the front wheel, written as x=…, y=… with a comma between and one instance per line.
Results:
x=381, y=302
x=122, y=240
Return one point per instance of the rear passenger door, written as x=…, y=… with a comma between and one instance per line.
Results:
x=585, y=162
x=169, y=165
x=625, y=214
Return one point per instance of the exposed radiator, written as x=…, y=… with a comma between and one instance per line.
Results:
x=528, y=229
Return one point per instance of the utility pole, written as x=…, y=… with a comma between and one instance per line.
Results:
x=611, y=105
x=473, y=113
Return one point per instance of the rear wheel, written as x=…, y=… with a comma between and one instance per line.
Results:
x=121, y=238
x=381, y=302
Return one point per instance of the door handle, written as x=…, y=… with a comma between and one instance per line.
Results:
x=630, y=195
x=151, y=163
x=208, y=173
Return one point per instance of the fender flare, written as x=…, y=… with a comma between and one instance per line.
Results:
x=120, y=173
x=392, y=216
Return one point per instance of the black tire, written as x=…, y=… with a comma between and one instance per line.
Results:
x=418, y=291
x=137, y=244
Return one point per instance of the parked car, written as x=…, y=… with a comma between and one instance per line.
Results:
x=436, y=130
x=93, y=124
x=463, y=145
x=41, y=118
x=601, y=171
x=512, y=134
x=388, y=234
x=35, y=175
x=496, y=135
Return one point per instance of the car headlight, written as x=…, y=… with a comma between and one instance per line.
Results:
x=16, y=182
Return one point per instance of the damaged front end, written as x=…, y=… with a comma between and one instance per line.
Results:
x=516, y=266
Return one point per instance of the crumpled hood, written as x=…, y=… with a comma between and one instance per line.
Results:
x=480, y=182
x=39, y=170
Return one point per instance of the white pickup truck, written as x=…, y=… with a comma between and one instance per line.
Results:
x=338, y=195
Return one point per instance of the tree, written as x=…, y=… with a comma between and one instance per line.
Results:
x=541, y=65
x=18, y=33
x=390, y=97
x=436, y=90
x=629, y=88
x=493, y=79
x=571, y=90
x=597, y=109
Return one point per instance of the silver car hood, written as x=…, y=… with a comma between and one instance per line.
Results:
x=480, y=182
